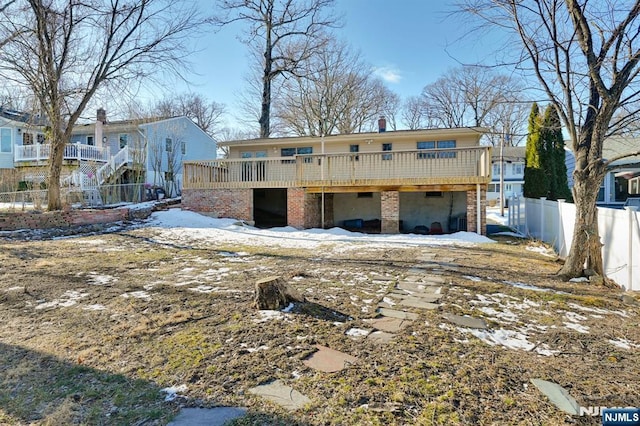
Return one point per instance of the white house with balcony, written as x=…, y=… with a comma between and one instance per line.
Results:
x=507, y=173
x=147, y=152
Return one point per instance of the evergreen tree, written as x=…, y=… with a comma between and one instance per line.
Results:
x=555, y=155
x=536, y=183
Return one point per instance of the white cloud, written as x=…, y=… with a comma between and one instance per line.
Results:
x=388, y=74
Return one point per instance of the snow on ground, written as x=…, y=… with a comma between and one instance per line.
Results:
x=493, y=216
x=183, y=226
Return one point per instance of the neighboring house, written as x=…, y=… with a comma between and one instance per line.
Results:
x=149, y=151
x=403, y=181
x=507, y=167
x=617, y=185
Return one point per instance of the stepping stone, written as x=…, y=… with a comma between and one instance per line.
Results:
x=558, y=395
x=434, y=279
x=217, y=416
x=381, y=337
x=281, y=394
x=390, y=325
x=414, y=302
x=413, y=278
x=446, y=260
x=329, y=360
x=425, y=297
x=392, y=313
x=413, y=287
x=464, y=321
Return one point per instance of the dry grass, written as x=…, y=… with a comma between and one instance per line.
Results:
x=148, y=315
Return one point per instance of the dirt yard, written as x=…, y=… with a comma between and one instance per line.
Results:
x=94, y=326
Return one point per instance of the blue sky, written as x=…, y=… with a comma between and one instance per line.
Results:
x=408, y=43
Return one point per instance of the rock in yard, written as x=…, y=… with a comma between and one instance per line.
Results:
x=329, y=360
x=463, y=321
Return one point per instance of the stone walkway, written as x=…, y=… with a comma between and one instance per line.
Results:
x=422, y=289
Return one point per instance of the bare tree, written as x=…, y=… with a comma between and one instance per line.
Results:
x=66, y=51
x=585, y=57
x=476, y=96
x=204, y=113
x=337, y=94
x=287, y=32
x=412, y=116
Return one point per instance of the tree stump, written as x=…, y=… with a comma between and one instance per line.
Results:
x=272, y=293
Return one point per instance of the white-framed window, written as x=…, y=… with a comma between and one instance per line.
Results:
x=168, y=145
x=90, y=140
x=40, y=138
x=387, y=147
x=517, y=168
x=5, y=139
x=496, y=169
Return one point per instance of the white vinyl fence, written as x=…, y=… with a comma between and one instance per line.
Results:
x=553, y=223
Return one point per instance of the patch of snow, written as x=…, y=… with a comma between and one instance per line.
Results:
x=388, y=301
x=508, y=338
x=267, y=315
x=136, y=295
x=172, y=392
x=16, y=288
x=96, y=307
x=577, y=327
x=541, y=250
x=357, y=332
x=469, y=277
x=510, y=234
x=183, y=226
x=100, y=279
x=579, y=280
x=202, y=289
x=597, y=310
x=623, y=343
x=68, y=298
x=288, y=308
x=574, y=317
x=525, y=286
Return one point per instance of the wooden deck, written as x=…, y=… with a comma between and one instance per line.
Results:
x=417, y=168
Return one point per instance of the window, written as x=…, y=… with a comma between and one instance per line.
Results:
x=494, y=187
x=27, y=138
x=429, y=145
x=183, y=147
x=168, y=176
x=290, y=152
x=40, y=138
x=354, y=148
x=444, y=145
x=496, y=169
x=516, y=168
x=433, y=194
x=124, y=140
x=168, y=145
x=387, y=147
x=5, y=140
x=426, y=145
x=365, y=194
x=90, y=140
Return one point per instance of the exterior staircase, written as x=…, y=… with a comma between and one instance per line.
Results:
x=87, y=179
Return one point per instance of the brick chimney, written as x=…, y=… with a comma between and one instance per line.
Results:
x=382, y=124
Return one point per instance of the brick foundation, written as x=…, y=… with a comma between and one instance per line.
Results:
x=231, y=203
x=390, y=208
x=472, y=211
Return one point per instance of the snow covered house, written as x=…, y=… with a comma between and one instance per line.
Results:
x=146, y=152
x=423, y=181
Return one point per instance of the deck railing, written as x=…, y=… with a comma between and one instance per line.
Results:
x=416, y=167
x=72, y=151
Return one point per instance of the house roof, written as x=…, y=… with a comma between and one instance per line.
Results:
x=21, y=117
x=509, y=153
x=426, y=134
x=615, y=146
